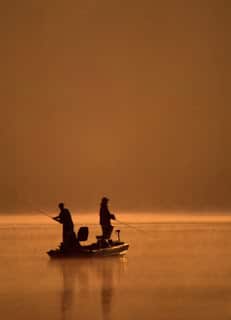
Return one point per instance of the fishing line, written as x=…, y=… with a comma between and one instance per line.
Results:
x=148, y=234
x=130, y=226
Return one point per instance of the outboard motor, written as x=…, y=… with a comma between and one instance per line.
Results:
x=82, y=234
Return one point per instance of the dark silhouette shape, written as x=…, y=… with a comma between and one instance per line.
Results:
x=82, y=234
x=118, y=234
x=69, y=237
x=105, y=219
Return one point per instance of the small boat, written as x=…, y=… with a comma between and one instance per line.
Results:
x=101, y=248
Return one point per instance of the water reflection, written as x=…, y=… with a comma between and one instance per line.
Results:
x=84, y=280
x=110, y=272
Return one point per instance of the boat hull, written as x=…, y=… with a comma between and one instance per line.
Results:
x=117, y=249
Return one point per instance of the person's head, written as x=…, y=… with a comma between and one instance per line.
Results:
x=61, y=205
x=104, y=201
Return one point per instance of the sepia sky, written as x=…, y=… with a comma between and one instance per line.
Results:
x=129, y=99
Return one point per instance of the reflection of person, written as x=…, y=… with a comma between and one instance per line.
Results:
x=79, y=277
x=105, y=218
x=64, y=217
x=107, y=289
x=72, y=271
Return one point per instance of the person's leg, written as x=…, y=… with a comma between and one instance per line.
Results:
x=107, y=231
x=104, y=229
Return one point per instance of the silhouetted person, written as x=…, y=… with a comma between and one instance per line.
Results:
x=64, y=217
x=105, y=218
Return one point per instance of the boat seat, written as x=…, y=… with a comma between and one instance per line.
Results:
x=82, y=234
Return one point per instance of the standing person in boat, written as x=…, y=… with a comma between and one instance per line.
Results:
x=64, y=217
x=105, y=218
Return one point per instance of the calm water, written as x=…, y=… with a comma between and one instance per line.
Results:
x=172, y=271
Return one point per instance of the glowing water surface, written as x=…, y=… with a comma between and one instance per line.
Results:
x=177, y=267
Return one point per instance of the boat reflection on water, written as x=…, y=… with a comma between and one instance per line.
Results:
x=88, y=286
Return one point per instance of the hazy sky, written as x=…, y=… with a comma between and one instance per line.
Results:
x=128, y=99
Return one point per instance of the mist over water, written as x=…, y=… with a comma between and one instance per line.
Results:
x=122, y=218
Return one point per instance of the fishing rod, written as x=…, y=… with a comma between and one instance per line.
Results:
x=45, y=213
x=129, y=225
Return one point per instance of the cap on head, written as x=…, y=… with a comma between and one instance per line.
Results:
x=61, y=205
x=104, y=200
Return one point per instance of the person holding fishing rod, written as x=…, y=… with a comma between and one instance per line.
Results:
x=64, y=217
x=105, y=219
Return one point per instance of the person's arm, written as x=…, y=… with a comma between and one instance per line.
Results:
x=58, y=219
x=112, y=216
